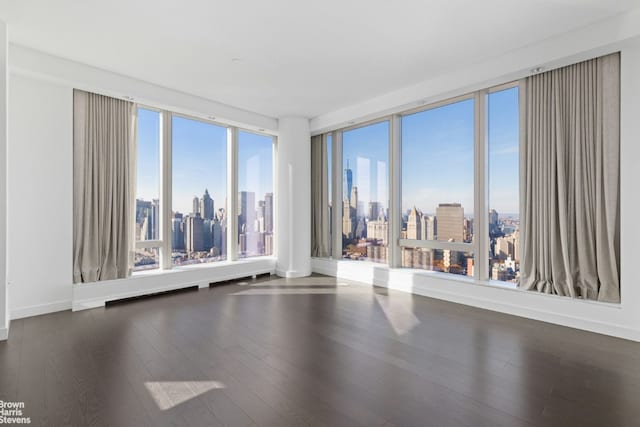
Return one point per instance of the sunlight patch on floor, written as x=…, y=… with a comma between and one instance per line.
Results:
x=168, y=394
x=399, y=313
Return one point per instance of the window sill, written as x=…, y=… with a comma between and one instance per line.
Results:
x=200, y=266
x=96, y=294
x=459, y=279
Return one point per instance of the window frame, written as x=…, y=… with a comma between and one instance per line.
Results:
x=157, y=243
x=337, y=191
x=166, y=188
x=480, y=243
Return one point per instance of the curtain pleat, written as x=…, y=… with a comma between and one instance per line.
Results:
x=104, y=187
x=320, y=240
x=572, y=179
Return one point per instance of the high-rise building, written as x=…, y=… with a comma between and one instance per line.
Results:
x=348, y=220
x=429, y=227
x=150, y=215
x=246, y=211
x=353, y=200
x=206, y=205
x=493, y=217
x=378, y=230
x=260, y=214
x=450, y=218
x=177, y=232
x=348, y=182
x=268, y=213
x=414, y=224
x=216, y=235
x=375, y=210
x=207, y=236
x=196, y=206
x=193, y=233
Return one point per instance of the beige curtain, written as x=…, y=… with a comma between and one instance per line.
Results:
x=320, y=241
x=103, y=187
x=572, y=168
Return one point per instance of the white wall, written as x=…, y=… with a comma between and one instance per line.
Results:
x=4, y=315
x=40, y=196
x=621, y=320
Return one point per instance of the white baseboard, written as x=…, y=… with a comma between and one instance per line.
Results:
x=36, y=310
x=4, y=334
x=578, y=314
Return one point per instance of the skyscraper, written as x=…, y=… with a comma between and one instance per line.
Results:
x=246, y=211
x=450, y=218
x=414, y=225
x=196, y=206
x=268, y=213
x=429, y=227
x=177, y=232
x=206, y=205
x=375, y=208
x=193, y=233
x=348, y=181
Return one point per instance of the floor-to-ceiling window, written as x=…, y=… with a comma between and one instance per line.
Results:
x=199, y=191
x=365, y=199
x=147, y=227
x=255, y=195
x=503, y=141
x=185, y=169
x=438, y=188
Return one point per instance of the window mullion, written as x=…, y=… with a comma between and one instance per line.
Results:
x=165, y=191
x=395, y=189
x=336, y=182
x=481, y=210
x=232, y=193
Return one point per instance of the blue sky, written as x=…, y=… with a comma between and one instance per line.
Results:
x=437, y=156
x=200, y=161
x=367, y=151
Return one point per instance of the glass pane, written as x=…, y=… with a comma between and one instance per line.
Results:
x=146, y=259
x=441, y=260
x=255, y=195
x=504, y=181
x=147, y=188
x=437, y=173
x=365, y=229
x=199, y=222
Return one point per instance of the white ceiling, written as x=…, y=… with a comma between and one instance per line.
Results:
x=291, y=57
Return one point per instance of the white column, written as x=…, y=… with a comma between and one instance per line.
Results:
x=293, y=188
x=4, y=79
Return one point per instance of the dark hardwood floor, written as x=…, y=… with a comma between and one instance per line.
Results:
x=313, y=351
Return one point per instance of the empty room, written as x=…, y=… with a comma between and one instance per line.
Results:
x=334, y=213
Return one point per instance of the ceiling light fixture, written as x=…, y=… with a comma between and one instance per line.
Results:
x=128, y=98
x=537, y=70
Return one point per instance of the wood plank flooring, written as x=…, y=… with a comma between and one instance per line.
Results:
x=312, y=352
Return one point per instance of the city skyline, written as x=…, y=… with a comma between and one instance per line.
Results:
x=199, y=161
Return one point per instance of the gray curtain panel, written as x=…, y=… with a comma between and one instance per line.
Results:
x=571, y=232
x=320, y=242
x=103, y=187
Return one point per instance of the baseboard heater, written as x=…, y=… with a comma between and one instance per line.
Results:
x=148, y=296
